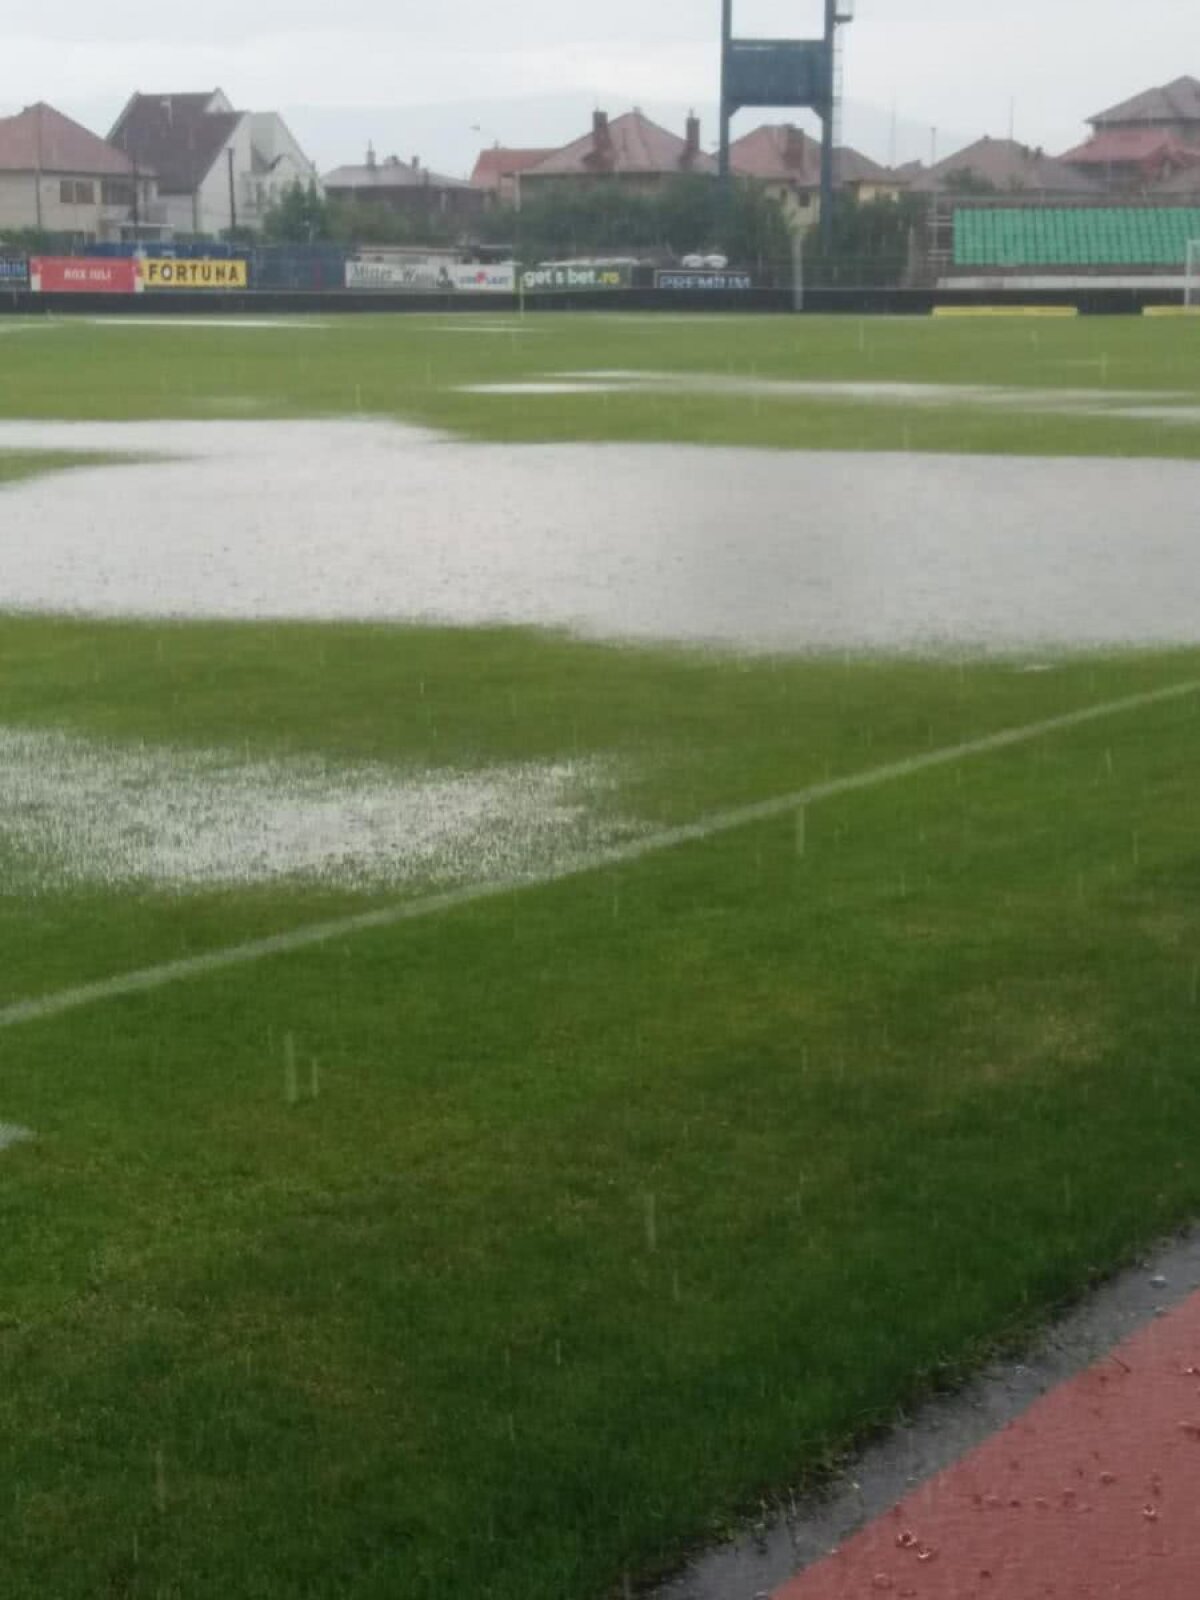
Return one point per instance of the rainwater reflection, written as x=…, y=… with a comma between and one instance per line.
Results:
x=748, y=549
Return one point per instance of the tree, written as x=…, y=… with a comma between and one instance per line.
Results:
x=965, y=180
x=689, y=214
x=299, y=216
x=37, y=241
x=871, y=243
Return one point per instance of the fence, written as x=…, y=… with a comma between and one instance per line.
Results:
x=198, y=277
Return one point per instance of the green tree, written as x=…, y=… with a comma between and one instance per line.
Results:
x=691, y=213
x=965, y=180
x=299, y=216
x=37, y=241
x=871, y=246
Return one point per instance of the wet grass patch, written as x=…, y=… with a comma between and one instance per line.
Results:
x=17, y=465
x=510, y=1252
x=408, y=367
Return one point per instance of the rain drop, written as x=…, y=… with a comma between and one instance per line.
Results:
x=291, y=1087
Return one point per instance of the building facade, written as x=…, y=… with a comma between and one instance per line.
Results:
x=218, y=168
x=57, y=177
x=498, y=170
x=1004, y=167
x=405, y=188
x=630, y=150
x=1145, y=143
x=787, y=163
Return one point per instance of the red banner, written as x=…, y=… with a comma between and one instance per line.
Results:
x=84, y=275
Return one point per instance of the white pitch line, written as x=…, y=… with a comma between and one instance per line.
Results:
x=150, y=978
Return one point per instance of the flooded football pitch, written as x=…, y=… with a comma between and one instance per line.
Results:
x=753, y=550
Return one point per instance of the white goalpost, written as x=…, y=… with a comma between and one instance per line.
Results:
x=1191, y=281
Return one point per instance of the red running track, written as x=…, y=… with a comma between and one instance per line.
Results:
x=1092, y=1494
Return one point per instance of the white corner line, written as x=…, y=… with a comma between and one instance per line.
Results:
x=159, y=977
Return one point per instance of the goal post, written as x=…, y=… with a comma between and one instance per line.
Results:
x=1191, y=277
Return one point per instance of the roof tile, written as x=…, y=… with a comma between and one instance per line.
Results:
x=502, y=162
x=175, y=135
x=786, y=154
x=40, y=139
x=1170, y=102
x=626, y=145
x=391, y=173
x=1010, y=167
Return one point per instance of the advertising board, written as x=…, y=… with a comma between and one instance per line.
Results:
x=692, y=279
x=498, y=277
x=432, y=277
x=83, y=275
x=14, y=272
x=200, y=273
x=396, y=276
x=562, y=275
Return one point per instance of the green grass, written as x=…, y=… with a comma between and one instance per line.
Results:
x=625, y=1201
x=18, y=464
x=410, y=367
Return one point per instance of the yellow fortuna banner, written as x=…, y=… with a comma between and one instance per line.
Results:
x=200, y=274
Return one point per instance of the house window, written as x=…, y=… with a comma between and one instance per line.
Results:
x=77, y=192
x=116, y=192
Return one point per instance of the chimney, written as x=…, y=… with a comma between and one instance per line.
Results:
x=416, y=163
x=795, y=153
x=370, y=157
x=693, y=139
x=601, y=138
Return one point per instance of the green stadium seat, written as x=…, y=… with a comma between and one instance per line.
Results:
x=1065, y=236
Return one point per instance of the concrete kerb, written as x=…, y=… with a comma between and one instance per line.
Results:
x=788, y=1542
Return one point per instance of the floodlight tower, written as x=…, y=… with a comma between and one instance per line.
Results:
x=801, y=73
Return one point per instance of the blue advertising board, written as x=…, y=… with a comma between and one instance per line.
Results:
x=14, y=271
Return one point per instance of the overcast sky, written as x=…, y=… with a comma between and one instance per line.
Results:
x=527, y=70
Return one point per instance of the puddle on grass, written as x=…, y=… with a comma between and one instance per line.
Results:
x=11, y=1133
x=1152, y=405
x=77, y=811
x=249, y=324
x=545, y=386
x=472, y=326
x=757, y=550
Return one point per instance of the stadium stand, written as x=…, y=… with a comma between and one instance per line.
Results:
x=1074, y=236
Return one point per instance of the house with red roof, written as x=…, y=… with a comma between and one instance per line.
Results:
x=218, y=168
x=1181, y=185
x=1143, y=143
x=1133, y=160
x=629, y=150
x=57, y=176
x=1172, y=108
x=787, y=162
x=497, y=170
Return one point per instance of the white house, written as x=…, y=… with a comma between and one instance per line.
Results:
x=218, y=168
x=57, y=176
